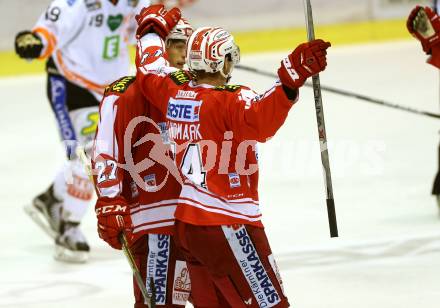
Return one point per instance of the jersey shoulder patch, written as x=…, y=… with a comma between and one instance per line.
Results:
x=229, y=88
x=133, y=3
x=93, y=5
x=120, y=85
x=180, y=77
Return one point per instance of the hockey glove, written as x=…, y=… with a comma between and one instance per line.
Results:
x=306, y=60
x=424, y=24
x=156, y=18
x=112, y=221
x=28, y=45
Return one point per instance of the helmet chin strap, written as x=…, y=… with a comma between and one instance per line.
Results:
x=228, y=75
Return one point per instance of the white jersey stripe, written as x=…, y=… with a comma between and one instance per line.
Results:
x=137, y=229
x=154, y=204
x=249, y=211
x=218, y=211
x=151, y=215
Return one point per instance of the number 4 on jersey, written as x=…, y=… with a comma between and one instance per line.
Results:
x=192, y=166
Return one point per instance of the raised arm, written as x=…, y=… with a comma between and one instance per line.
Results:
x=154, y=24
x=258, y=117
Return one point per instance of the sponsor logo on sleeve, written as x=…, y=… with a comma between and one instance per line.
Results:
x=151, y=54
x=150, y=182
x=120, y=85
x=183, y=110
x=182, y=284
x=234, y=180
x=157, y=265
x=250, y=264
x=180, y=77
x=229, y=88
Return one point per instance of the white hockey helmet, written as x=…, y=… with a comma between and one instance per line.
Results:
x=182, y=31
x=207, y=50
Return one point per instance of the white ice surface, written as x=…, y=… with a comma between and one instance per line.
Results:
x=383, y=163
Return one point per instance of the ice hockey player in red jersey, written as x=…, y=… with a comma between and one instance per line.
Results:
x=213, y=128
x=129, y=183
x=424, y=24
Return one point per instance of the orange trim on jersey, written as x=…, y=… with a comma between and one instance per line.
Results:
x=50, y=39
x=75, y=77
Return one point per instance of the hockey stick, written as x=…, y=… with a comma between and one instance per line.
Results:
x=348, y=94
x=81, y=153
x=150, y=301
x=331, y=212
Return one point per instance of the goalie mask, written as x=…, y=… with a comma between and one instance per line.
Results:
x=208, y=48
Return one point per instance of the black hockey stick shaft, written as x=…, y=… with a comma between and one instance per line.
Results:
x=348, y=94
x=321, y=129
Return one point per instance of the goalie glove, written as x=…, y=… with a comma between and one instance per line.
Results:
x=424, y=24
x=306, y=60
x=156, y=18
x=112, y=221
x=28, y=45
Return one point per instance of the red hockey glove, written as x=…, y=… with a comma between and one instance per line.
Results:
x=112, y=220
x=306, y=60
x=424, y=24
x=156, y=18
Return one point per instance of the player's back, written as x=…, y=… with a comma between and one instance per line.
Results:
x=220, y=165
x=130, y=129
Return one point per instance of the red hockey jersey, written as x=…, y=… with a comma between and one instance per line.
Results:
x=213, y=132
x=130, y=134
